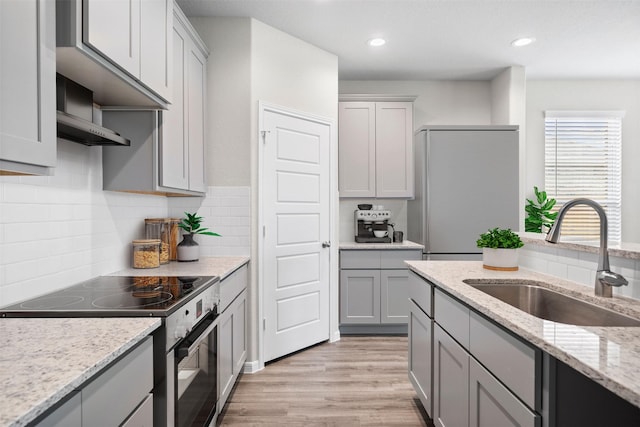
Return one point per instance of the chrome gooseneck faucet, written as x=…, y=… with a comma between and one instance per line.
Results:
x=605, y=278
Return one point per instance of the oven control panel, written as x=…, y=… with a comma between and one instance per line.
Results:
x=183, y=320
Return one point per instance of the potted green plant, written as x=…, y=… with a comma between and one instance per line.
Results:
x=539, y=216
x=500, y=249
x=188, y=249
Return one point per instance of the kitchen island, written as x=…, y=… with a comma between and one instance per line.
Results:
x=608, y=356
x=44, y=360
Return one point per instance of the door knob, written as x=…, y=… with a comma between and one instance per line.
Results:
x=326, y=244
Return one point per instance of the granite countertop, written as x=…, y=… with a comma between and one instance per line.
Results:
x=622, y=250
x=43, y=360
x=609, y=356
x=206, y=266
x=406, y=244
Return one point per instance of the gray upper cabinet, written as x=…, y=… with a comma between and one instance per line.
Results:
x=167, y=152
x=28, y=87
x=120, y=49
x=182, y=151
x=375, y=147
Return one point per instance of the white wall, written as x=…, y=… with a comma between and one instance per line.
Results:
x=437, y=103
x=508, y=107
x=589, y=95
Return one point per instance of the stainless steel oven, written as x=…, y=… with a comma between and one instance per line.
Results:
x=196, y=387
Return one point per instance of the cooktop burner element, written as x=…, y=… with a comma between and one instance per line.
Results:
x=114, y=296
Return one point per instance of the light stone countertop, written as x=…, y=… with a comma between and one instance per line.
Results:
x=609, y=356
x=43, y=360
x=406, y=244
x=622, y=250
x=206, y=266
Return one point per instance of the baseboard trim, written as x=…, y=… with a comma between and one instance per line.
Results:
x=251, y=367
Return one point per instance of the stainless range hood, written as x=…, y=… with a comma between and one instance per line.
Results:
x=75, y=116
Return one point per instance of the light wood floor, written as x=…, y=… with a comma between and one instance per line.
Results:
x=357, y=381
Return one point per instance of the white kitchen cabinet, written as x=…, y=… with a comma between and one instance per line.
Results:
x=374, y=290
x=134, y=35
x=167, y=152
x=375, y=148
x=28, y=87
x=232, y=341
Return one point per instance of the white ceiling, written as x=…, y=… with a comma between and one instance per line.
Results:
x=455, y=39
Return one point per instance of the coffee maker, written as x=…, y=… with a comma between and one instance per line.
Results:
x=366, y=222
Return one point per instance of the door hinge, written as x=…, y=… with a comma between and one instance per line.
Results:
x=264, y=135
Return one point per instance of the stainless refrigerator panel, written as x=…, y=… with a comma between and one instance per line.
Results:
x=471, y=186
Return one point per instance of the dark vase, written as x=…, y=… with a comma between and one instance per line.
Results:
x=188, y=249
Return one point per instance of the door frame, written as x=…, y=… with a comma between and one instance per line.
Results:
x=334, y=332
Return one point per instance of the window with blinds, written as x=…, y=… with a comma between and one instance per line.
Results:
x=583, y=159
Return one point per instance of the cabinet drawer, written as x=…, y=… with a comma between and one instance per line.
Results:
x=452, y=316
x=360, y=259
x=512, y=361
x=420, y=292
x=394, y=259
x=110, y=398
x=232, y=286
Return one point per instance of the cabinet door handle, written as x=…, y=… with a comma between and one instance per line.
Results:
x=326, y=244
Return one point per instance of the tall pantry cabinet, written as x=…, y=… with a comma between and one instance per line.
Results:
x=375, y=140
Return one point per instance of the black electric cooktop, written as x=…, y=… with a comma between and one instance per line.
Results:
x=114, y=296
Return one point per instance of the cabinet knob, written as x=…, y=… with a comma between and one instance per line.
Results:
x=326, y=244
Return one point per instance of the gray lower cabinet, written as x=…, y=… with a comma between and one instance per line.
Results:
x=232, y=342
x=466, y=370
x=69, y=414
x=119, y=396
x=360, y=296
x=420, y=355
x=451, y=381
x=491, y=404
x=374, y=288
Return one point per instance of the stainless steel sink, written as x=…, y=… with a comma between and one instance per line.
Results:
x=550, y=305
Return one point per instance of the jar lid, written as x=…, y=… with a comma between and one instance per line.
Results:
x=146, y=242
x=154, y=220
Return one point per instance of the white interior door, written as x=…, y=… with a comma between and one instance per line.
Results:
x=296, y=220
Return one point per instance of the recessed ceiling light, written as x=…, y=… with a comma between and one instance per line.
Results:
x=376, y=42
x=522, y=41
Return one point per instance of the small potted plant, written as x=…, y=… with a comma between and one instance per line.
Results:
x=539, y=216
x=188, y=249
x=500, y=249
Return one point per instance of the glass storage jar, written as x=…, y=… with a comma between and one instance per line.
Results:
x=146, y=253
x=158, y=228
x=174, y=238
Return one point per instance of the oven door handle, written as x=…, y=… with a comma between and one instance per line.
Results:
x=192, y=341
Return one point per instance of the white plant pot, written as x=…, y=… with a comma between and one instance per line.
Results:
x=500, y=259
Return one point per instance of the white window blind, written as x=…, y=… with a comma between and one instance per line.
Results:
x=583, y=159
